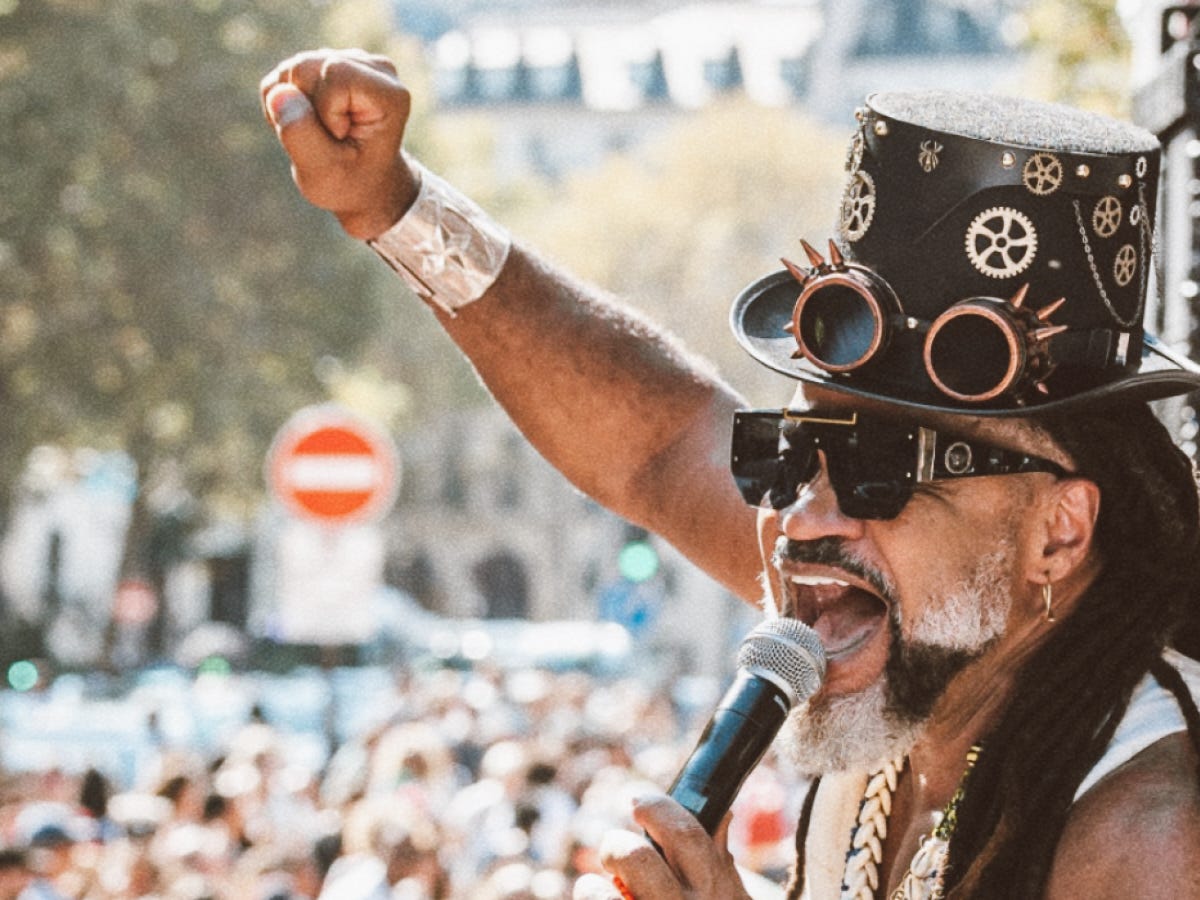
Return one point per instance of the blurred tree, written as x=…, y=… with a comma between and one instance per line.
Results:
x=162, y=289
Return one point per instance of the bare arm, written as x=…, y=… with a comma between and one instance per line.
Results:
x=606, y=397
x=1137, y=833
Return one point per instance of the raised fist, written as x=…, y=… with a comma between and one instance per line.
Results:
x=340, y=115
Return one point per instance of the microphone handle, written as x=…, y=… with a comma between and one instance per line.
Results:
x=735, y=739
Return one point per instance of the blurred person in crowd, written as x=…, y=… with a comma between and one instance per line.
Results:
x=14, y=872
x=520, y=880
x=356, y=876
x=544, y=810
x=968, y=496
x=482, y=817
x=133, y=876
x=185, y=792
x=410, y=849
x=173, y=841
x=286, y=869
x=407, y=840
x=126, y=867
x=94, y=793
x=55, y=876
x=293, y=867
x=415, y=760
x=222, y=816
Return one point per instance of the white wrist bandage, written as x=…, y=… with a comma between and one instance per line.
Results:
x=445, y=247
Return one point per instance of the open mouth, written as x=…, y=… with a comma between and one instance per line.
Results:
x=845, y=613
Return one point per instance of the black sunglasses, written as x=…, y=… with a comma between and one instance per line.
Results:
x=873, y=463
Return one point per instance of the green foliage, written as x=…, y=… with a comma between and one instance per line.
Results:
x=163, y=289
x=1080, y=53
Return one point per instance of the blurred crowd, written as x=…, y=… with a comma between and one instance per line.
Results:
x=482, y=785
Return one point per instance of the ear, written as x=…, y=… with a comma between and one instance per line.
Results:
x=1068, y=525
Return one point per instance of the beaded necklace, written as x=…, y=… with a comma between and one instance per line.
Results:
x=926, y=874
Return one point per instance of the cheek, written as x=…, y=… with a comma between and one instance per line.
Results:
x=971, y=558
x=915, y=576
x=768, y=532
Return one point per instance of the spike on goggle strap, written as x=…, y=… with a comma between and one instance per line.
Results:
x=979, y=349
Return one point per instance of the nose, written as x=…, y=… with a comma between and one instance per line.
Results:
x=815, y=513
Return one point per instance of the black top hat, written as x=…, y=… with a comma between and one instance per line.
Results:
x=993, y=257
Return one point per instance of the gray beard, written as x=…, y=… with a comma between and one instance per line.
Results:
x=861, y=731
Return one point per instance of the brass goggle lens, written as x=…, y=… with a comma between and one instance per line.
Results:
x=975, y=351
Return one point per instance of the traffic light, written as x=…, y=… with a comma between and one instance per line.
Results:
x=635, y=596
x=637, y=561
x=23, y=675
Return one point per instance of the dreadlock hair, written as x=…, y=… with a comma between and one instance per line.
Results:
x=1073, y=692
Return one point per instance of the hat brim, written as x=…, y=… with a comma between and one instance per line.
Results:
x=763, y=310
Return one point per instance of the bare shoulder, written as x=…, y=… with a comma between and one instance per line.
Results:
x=1137, y=832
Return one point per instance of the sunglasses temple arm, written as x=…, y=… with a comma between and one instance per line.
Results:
x=926, y=453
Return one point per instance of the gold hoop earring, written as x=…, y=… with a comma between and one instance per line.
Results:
x=1048, y=599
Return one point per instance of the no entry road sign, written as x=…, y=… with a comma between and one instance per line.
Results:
x=330, y=465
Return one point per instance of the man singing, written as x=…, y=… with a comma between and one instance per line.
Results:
x=967, y=497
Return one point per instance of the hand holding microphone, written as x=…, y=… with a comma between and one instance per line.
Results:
x=780, y=663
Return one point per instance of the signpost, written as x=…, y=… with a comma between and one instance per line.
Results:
x=337, y=475
x=333, y=467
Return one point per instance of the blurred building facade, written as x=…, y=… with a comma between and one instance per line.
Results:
x=484, y=527
x=562, y=85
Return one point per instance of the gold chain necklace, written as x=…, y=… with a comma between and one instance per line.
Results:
x=926, y=874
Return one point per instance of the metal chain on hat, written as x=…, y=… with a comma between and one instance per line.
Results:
x=1099, y=280
x=1147, y=231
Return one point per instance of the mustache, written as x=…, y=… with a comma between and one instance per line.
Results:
x=830, y=551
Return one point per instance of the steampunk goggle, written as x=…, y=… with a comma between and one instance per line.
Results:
x=978, y=349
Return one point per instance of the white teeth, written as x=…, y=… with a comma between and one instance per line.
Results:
x=817, y=580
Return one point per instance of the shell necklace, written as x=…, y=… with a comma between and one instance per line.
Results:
x=926, y=874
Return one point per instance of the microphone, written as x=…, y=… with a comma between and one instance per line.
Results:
x=780, y=663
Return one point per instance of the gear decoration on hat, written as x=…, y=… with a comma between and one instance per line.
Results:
x=1125, y=265
x=858, y=142
x=1106, y=217
x=930, y=155
x=858, y=206
x=854, y=154
x=1001, y=242
x=1043, y=174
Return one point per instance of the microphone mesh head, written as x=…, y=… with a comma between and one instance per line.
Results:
x=789, y=653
